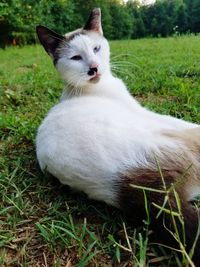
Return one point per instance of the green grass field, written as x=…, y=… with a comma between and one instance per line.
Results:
x=43, y=223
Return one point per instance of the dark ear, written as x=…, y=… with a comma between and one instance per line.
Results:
x=49, y=39
x=94, y=21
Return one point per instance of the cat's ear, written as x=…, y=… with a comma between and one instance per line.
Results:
x=49, y=39
x=94, y=21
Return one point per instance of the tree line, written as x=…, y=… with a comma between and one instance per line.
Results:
x=121, y=20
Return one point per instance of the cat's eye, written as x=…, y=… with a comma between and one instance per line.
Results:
x=77, y=57
x=96, y=49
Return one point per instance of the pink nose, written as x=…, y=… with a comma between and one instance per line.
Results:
x=93, y=65
x=93, y=69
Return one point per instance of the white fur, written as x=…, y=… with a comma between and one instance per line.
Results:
x=89, y=138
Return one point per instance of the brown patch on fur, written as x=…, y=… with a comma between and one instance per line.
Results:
x=132, y=202
x=151, y=178
x=176, y=169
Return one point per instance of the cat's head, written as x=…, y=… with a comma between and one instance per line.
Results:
x=81, y=56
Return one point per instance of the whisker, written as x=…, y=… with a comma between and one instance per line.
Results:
x=117, y=70
x=127, y=54
x=124, y=63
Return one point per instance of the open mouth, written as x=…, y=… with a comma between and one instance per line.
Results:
x=96, y=78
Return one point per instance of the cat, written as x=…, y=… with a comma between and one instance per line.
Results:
x=98, y=139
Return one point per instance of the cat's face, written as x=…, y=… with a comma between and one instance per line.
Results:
x=82, y=56
x=84, y=59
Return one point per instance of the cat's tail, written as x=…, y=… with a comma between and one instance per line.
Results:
x=168, y=185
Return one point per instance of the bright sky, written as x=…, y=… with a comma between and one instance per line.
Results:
x=150, y=1
x=146, y=1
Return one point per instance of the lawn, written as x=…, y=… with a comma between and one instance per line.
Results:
x=43, y=223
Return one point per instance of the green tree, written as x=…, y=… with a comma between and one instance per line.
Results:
x=182, y=19
x=58, y=15
x=195, y=14
x=18, y=18
x=136, y=15
x=18, y=21
x=121, y=21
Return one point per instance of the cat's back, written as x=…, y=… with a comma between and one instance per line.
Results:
x=82, y=111
x=93, y=123
x=85, y=126
x=84, y=135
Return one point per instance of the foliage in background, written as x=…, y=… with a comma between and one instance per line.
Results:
x=18, y=18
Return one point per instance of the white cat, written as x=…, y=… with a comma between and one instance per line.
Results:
x=100, y=140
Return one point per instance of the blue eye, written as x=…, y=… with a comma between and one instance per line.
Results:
x=96, y=49
x=77, y=57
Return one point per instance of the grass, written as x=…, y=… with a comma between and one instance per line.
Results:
x=43, y=223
